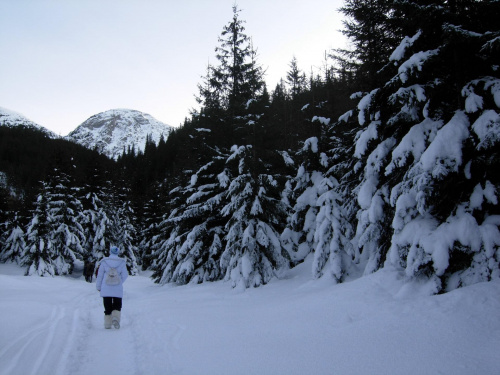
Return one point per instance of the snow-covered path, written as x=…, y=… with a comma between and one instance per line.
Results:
x=55, y=326
x=373, y=325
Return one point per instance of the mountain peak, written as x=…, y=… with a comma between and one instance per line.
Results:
x=10, y=119
x=112, y=131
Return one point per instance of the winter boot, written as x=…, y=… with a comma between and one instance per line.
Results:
x=116, y=315
x=107, y=321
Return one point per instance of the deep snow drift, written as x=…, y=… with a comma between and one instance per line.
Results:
x=372, y=325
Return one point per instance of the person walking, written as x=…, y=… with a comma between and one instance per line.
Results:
x=110, y=278
x=88, y=270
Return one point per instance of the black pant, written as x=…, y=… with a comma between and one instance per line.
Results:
x=111, y=303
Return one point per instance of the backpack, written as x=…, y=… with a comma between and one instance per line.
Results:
x=113, y=277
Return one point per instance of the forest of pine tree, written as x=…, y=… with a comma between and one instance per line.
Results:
x=387, y=157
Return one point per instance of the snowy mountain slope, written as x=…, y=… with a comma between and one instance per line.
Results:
x=10, y=118
x=373, y=325
x=112, y=131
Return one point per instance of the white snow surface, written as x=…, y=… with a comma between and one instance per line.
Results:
x=112, y=131
x=377, y=324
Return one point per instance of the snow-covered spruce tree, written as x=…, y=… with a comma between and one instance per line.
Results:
x=334, y=254
x=426, y=151
x=373, y=232
x=181, y=249
x=303, y=194
x=14, y=241
x=122, y=228
x=318, y=222
x=152, y=216
x=97, y=230
x=164, y=245
x=253, y=253
x=195, y=233
x=96, y=197
x=4, y=212
x=191, y=244
x=38, y=252
x=65, y=217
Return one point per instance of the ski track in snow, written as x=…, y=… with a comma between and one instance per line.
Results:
x=131, y=350
x=43, y=344
x=70, y=338
x=159, y=336
x=25, y=344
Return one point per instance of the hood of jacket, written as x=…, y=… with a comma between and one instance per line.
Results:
x=113, y=260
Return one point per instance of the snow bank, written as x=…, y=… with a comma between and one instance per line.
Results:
x=295, y=326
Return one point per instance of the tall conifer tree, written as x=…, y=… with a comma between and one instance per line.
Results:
x=238, y=78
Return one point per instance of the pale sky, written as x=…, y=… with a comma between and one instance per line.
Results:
x=62, y=61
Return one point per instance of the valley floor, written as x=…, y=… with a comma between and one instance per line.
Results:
x=372, y=325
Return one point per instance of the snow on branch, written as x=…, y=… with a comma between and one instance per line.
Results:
x=364, y=106
x=416, y=61
x=401, y=49
x=445, y=151
x=286, y=158
x=487, y=128
x=413, y=143
x=448, y=27
x=345, y=117
x=311, y=144
x=322, y=120
x=364, y=137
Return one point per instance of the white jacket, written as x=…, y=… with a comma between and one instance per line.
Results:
x=113, y=261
